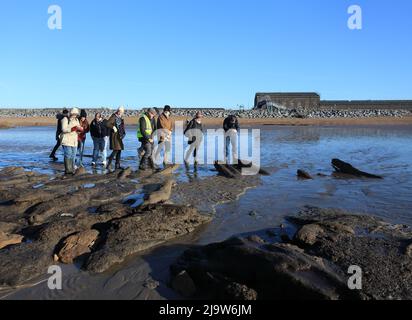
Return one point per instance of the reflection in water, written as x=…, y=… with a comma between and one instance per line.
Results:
x=383, y=150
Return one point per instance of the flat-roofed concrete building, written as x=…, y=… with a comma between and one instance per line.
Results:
x=287, y=100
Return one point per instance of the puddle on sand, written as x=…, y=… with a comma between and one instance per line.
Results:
x=135, y=200
x=89, y=185
x=92, y=210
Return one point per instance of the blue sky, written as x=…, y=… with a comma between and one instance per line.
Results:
x=205, y=53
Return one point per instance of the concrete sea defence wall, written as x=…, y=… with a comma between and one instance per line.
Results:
x=221, y=113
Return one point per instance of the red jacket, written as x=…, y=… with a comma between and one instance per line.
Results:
x=86, y=128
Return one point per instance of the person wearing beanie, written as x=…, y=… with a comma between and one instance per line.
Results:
x=100, y=136
x=69, y=140
x=117, y=133
x=82, y=136
x=231, y=127
x=164, y=131
x=145, y=130
x=194, y=131
x=59, y=117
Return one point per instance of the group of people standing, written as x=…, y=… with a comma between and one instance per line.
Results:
x=164, y=127
x=73, y=127
x=71, y=133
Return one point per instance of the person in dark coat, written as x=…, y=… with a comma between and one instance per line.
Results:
x=117, y=134
x=231, y=127
x=194, y=131
x=100, y=136
x=59, y=118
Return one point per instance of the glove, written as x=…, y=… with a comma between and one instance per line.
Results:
x=114, y=129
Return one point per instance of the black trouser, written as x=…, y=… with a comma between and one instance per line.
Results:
x=56, y=147
x=115, y=154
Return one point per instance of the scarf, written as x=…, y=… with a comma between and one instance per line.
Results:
x=120, y=127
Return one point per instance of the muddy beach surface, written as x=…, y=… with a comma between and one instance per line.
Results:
x=249, y=209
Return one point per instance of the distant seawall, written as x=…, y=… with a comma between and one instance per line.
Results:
x=327, y=111
x=366, y=104
x=313, y=101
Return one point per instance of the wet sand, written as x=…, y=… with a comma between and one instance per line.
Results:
x=42, y=121
x=380, y=149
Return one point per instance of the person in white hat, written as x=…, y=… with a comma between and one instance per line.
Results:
x=118, y=133
x=70, y=130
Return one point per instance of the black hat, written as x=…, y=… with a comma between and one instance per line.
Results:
x=65, y=111
x=83, y=113
x=167, y=109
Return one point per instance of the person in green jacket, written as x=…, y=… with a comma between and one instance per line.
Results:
x=145, y=130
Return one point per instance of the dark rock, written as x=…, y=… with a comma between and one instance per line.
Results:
x=271, y=233
x=23, y=262
x=240, y=292
x=408, y=250
x=304, y=175
x=365, y=241
x=253, y=213
x=308, y=234
x=144, y=229
x=275, y=271
x=346, y=168
x=256, y=239
x=332, y=241
x=162, y=195
x=285, y=238
x=9, y=239
x=240, y=169
x=184, y=285
x=227, y=170
x=151, y=284
x=77, y=245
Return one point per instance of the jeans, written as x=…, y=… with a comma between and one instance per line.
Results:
x=80, y=151
x=231, y=139
x=147, y=148
x=100, y=146
x=70, y=153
